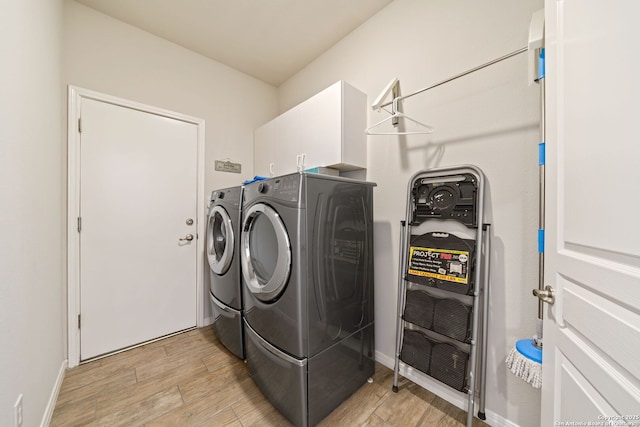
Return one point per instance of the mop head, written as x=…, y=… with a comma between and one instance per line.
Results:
x=525, y=361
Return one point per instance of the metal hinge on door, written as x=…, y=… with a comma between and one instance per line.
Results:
x=79, y=224
x=78, y=321
x=80, y=125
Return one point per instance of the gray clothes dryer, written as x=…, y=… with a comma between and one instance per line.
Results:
x=307, y=271
x=223, y=239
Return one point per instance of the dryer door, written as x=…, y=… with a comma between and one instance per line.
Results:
x=220, y=240
x=265, y=252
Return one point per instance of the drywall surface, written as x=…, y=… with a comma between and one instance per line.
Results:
x=106, y=55
x=32, y=183
x=109, y=56
x=489, y=119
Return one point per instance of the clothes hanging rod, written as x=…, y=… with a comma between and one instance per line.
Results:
x=473, y=70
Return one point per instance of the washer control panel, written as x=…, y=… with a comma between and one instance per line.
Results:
x=230, y=196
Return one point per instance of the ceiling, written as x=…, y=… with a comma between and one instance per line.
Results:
x=270, y=40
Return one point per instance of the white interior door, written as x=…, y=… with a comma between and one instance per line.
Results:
x=138, y=204
x=592, y=332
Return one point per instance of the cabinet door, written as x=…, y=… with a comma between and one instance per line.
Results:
x=263, y=148
x=328, y=129
x=277, y=143
x=289, y=141
x=354, y=123
x=322, y=132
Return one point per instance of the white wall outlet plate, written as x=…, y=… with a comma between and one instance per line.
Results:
x=17, y=412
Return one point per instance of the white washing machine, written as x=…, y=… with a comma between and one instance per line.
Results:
x=223, y=239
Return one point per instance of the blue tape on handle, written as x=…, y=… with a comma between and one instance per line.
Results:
x=541, y=67
x=542, y=155
x=541, y=241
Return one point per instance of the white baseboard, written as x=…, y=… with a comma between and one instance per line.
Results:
x=496, y=420
x=53, y=398
x=436, y=387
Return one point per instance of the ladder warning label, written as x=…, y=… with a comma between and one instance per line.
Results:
x=441, y=264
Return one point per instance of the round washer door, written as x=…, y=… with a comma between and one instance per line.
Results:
x=265, y=252
x=220, y=240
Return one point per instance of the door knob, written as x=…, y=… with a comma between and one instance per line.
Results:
x=547, y=295
x=188, y=238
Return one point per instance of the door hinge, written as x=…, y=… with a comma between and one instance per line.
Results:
x=80, y=125
x=79, y=224
x=78, y=321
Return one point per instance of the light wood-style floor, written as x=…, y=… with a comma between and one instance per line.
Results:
x=192, y=380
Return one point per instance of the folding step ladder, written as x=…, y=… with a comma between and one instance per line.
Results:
x=443, y=278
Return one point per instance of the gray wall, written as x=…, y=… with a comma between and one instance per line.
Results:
x=489, y=119
x=32, y=183
x=106, y=55
x=109, y=56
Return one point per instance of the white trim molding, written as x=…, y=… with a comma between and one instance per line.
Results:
x=53, y=398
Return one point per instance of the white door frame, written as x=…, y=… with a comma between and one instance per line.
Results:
x=75, y=96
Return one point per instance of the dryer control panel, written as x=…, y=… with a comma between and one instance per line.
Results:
x=286, y=188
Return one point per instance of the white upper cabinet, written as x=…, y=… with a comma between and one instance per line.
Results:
x=277, y=143
x=327, y=130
